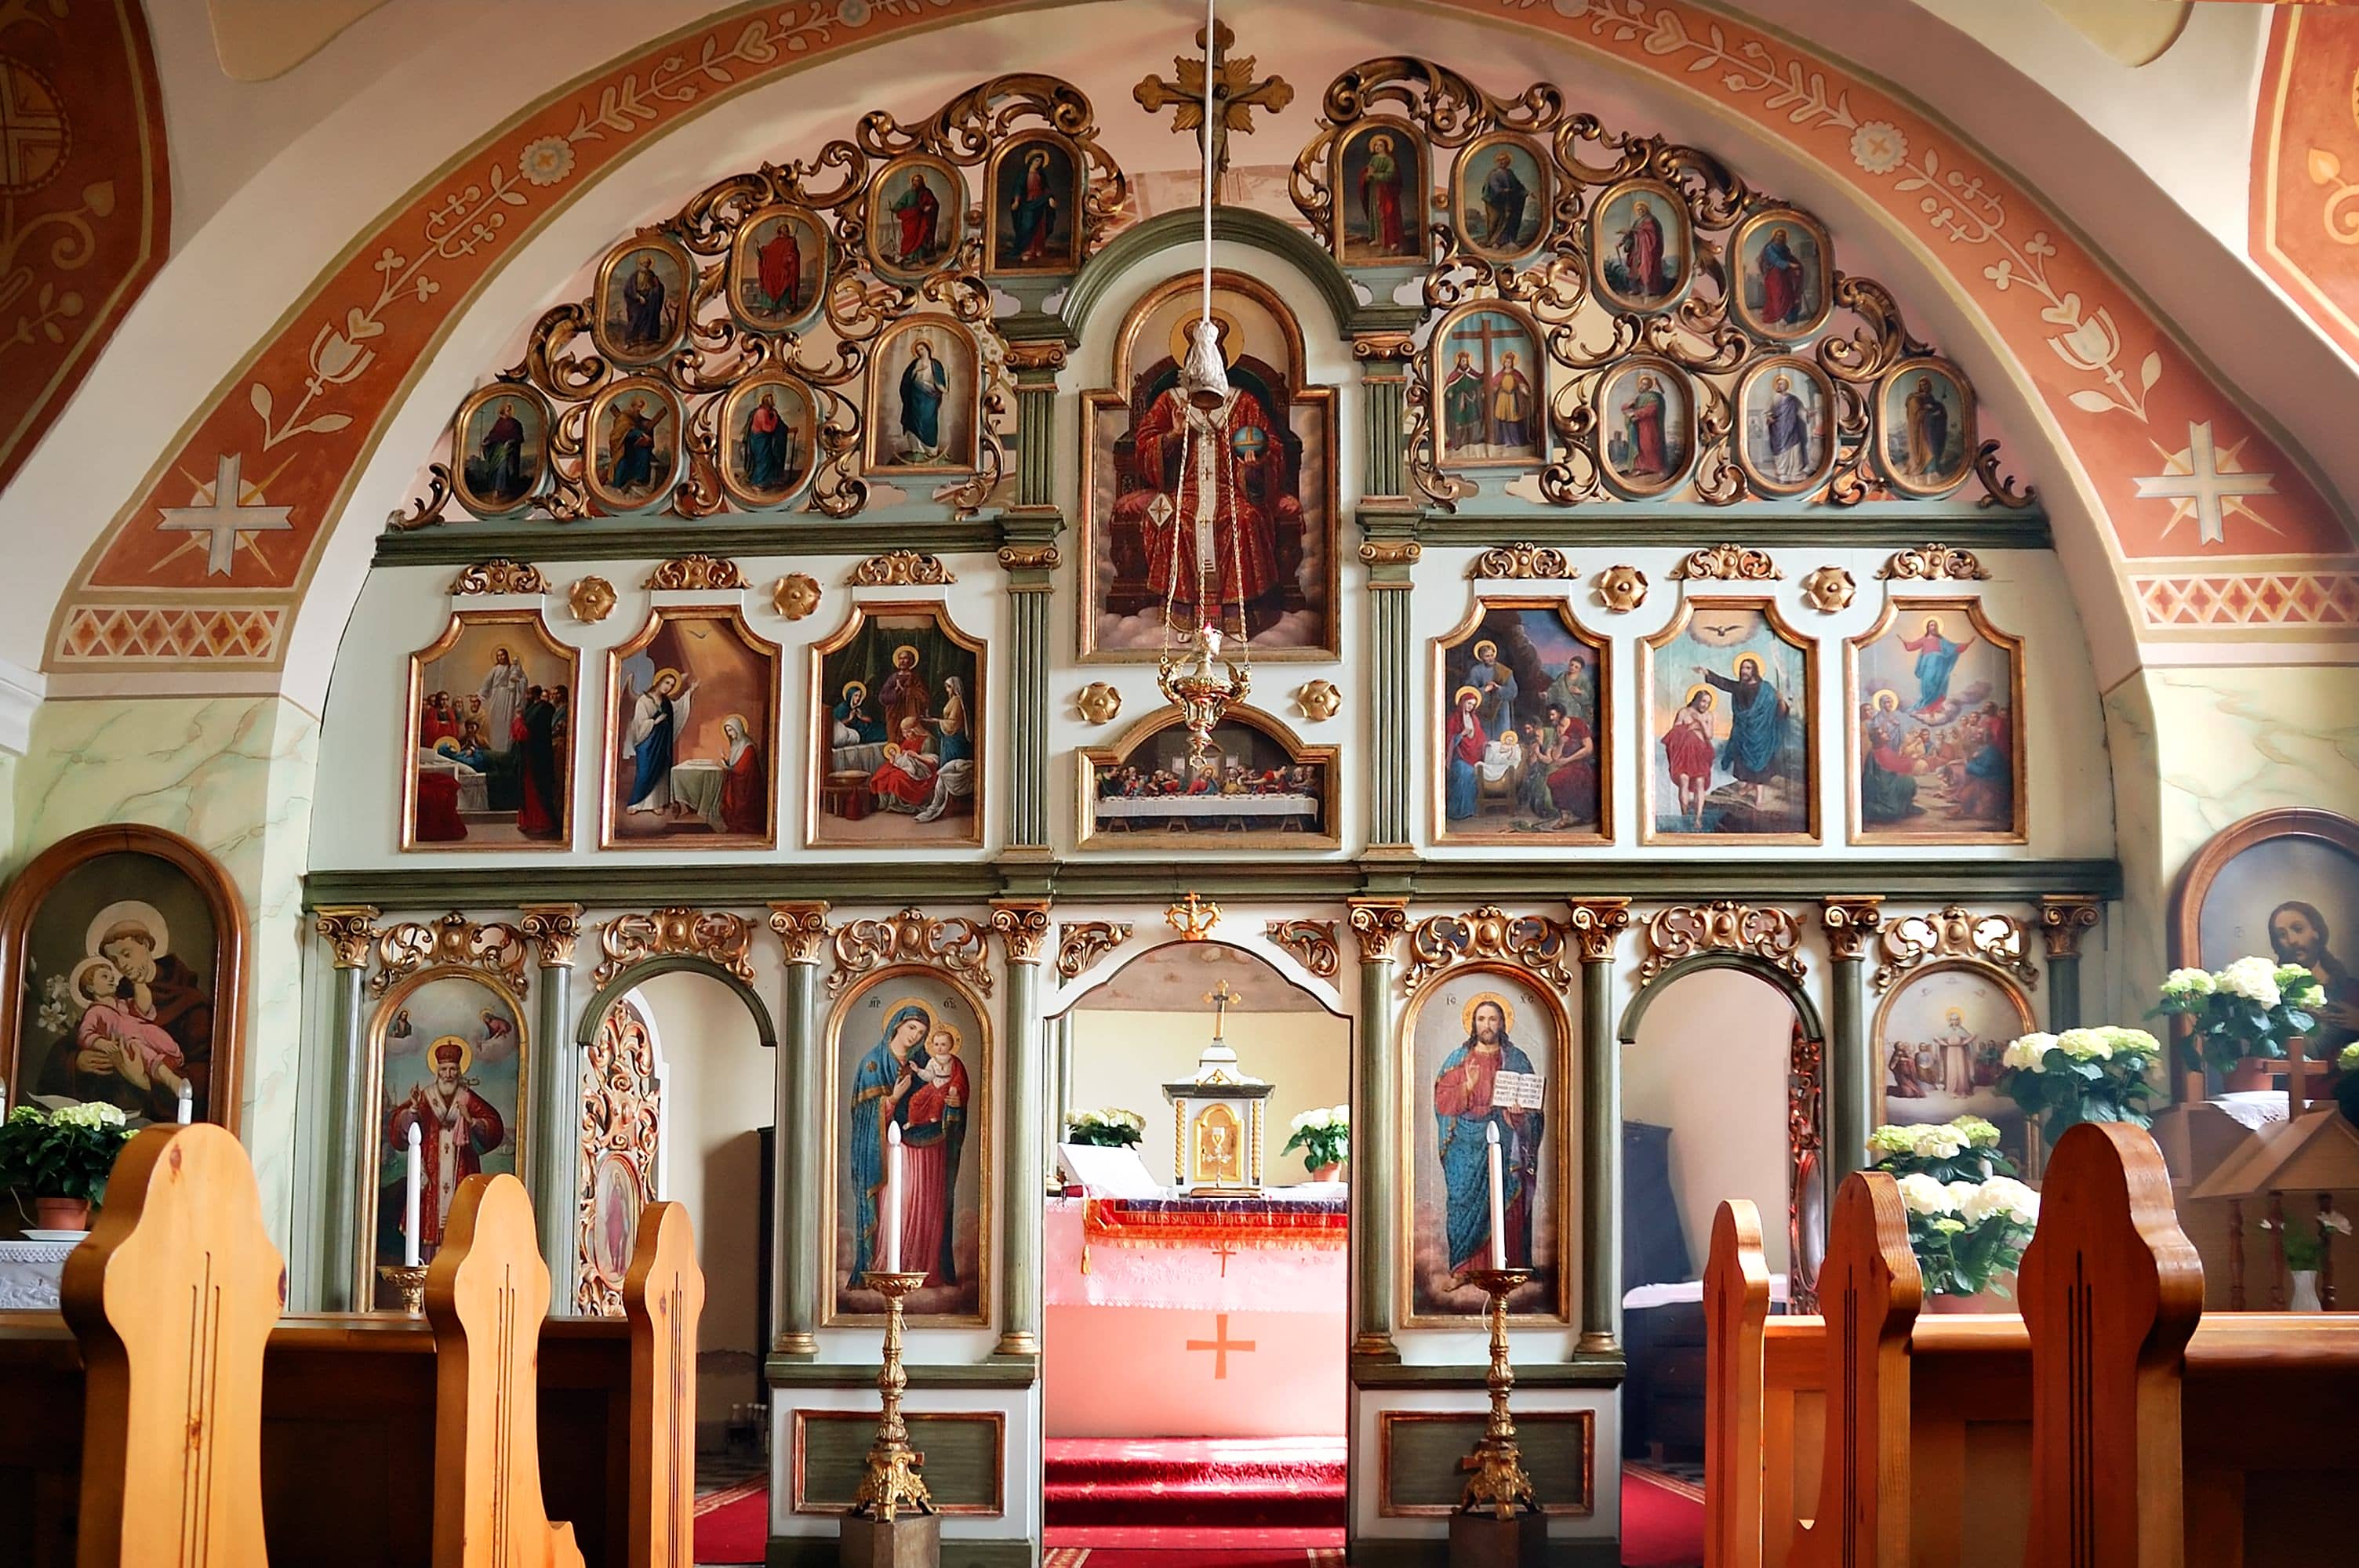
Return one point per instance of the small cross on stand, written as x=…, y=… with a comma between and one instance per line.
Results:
x=1236, y=95
x=1221, y=996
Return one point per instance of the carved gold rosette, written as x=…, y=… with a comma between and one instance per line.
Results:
x=406, y=946
x=717, y=936
x=1828, y=588
x=1532, y=942
x=1996, y=940
x=1311, y=943
x=956, y=945
x=1082, y=943
x=621, y=1110
x=1684, y=931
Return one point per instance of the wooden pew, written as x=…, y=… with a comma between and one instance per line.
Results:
x=2105, y=1426
x=324, y=1447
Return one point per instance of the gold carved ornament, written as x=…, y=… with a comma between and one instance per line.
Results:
x=2063, y=917
x=902, y=568
x=1391, y=551
x=1622, y=588
x=795, y=595
x=349, y=931
x=697, y=571
x=1521, y=561
x=1727, y=563
x=1934, y=563
x=454, y=942
x=622, y=1110
x=1082, y=943
x=499, y=575
x=1377, y=925
x=1193, y=917
x=1828, y=588
x=1584, y=336
x=1031, y=557
x=1099, y=702
x=1320, y=701
x=1022, y=927
x=1532, y=942
x=1685, y=931
x=1382, y=347
x=801, y=928
x=1048, y=355
x=720, y=938
x=1310, y=942
x=592, y=598
x=553, y=929
x=957, y=946
x=1993, y=940
x=1851, y=923
x=1598, y=924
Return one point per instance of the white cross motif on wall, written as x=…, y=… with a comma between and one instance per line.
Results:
x=2195, y=484
x=224, y=517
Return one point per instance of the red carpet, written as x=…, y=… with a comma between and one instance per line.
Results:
x=1662, y=1520
x=1269, y=1557
x=1294, y=1483
x=733, y=1525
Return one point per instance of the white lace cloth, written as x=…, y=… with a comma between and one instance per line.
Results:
x=28, y=1274
x=2254, y=1108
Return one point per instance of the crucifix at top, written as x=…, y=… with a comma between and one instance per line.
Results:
x=1221, y=996
x=1236, y=95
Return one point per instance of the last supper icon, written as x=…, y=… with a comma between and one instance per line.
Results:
x=1221, y=516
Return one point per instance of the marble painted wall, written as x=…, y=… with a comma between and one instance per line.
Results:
x=235, y=775
x=2196, y=748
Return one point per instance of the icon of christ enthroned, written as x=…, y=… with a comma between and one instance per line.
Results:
x=1220, y=516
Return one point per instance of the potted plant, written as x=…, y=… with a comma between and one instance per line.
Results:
x=59, y=1159
x=2346, y=1086
x=2305, y=1240
x=2082, y=1074
x=2244, y=1015
x=1969, y=1218
x=1106, y=1129
x=1324, y=1137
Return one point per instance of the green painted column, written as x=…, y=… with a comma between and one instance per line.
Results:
x=1377, y=922
x=1383, y=391
x=1855, y=1080
x=1029, y=599
x=2063, y=917
x=798, y=1250
x=1389, y=555
x=1064, y=1035
x=555, y=1177
x=1599, y=924
x=349, y=930
x=1022, y=927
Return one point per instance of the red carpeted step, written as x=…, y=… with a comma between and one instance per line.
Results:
x=1294, y=1483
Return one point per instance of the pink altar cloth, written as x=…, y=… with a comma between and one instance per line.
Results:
x=1259, y=1268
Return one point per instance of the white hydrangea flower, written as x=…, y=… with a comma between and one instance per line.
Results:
x=2085, y=1044
x=2349, y=1059
x=1920, y=1194
x=2187, y=983
x=2254, y=978
x=1892, y=1139
x=1940, y=1142
x=2001, y=1196
x=2028, y=1051
x=90, y=1113
x=2129, y=1042
x=1980, y=1134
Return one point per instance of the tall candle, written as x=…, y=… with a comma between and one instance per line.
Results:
x=409, y=1202
x=1498, y=1202
x=892, y=1198
x=188, y=1111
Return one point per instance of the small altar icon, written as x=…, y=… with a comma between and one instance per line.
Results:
x=1218, y=1152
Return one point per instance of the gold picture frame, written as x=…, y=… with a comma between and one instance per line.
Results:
x=388, y=1008
x=670, y=435
x=805, y=425
x=731, y=617
x=1762, y=372
x=2017, y=830
x=540, y=420
x=886, y=188
x=1675, y=208
x=1439, y=351
x=981, y=1112
x=1650, y=648
x=1325, y=833
x=1601, y=651
x=1880, y=1045
x=1072, y=196
x=1468, y=167
x=968, y=408
x=533, y=625
x=1417, y=196
x=742, y=263
x=1626, y=372
x=1564, y=1066
x=1127, y=364
x=679, y=309
x=1740, y=306
x=1896, y=473
x=822, y=703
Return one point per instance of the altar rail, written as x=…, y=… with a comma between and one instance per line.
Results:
x=2111, y=1424
x=170, y=1414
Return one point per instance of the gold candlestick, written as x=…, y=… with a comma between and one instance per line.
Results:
x=1499, y=1486
x=892, y=1485
x=409, y=1282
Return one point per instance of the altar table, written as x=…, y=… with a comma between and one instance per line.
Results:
x=29, y=1272
x=1196, y=1317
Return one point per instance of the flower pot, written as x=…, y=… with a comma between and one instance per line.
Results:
x=1329, y=1172
x=1984, y=1302
x=2251, y=1073
x=61, y=1214
x=2305, y=1292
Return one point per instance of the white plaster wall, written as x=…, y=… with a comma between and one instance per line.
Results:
x=717, y=1089
x=1125, y=1058
x=1709, y=1063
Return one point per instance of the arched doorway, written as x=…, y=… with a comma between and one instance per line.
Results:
x=1721, y=1099
x=1196, y=1319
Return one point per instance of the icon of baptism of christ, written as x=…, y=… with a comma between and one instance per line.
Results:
x=1728, y=697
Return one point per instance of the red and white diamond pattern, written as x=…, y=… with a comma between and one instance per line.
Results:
x=209, y=634
x=2249, y=598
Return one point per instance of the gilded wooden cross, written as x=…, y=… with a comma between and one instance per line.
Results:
x=1235, y=95
x=1221, y=996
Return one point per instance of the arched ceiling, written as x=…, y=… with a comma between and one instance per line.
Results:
x=406, y=203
